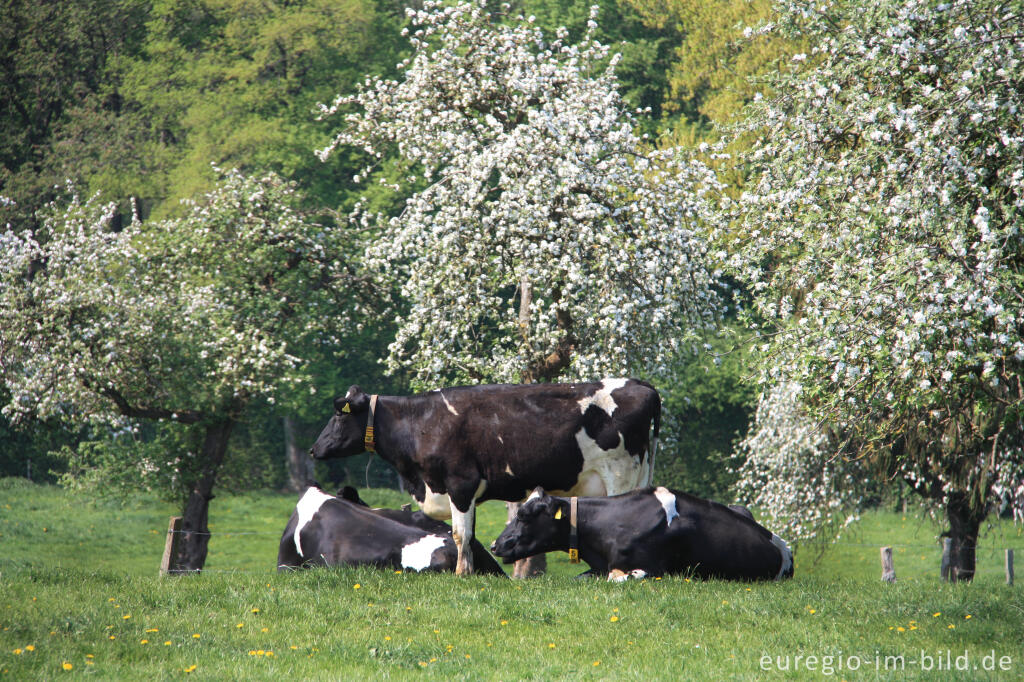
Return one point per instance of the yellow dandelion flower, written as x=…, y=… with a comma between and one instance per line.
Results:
x=89, y=656
x=30, y=647
x=255, y=610
x=437, y=632
x=551, y=645
x=264, y=629
x=260, y=652
x=614, y=619
x=293, y=647
x=167, y=643
x=387, y=638
x=597, y=663
x=126, y=616
x=240, y=625
x=153, y=630
x=951, y=627
x=811, y=611
x=270, y=654
x=968, y=617
x=252, y=652
x=901, y=629
x=913, y=627
x=111, y=599
x=356, y=586
x=936, y=614
x=113, y=637
x=196, y=635
x=66, y=665
x=191, y=668
x=17, y=652
x=423, y=664
x=433, y=660
x=143, y=641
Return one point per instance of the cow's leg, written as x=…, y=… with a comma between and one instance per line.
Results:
x=463, y=529
x=463, y=526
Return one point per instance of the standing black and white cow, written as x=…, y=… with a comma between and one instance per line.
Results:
x=456, y=447
x=648, y=532
x=325, y=530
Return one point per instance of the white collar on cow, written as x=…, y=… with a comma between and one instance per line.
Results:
x=368, y=439
x=574, y=545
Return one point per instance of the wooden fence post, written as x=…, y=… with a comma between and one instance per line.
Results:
x=1009, y=567
x=944, y=568
x=888, y=572
x=171, y=546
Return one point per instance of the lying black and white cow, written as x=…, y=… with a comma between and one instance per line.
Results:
x=325, y=530
x=482, y=559
x=649, y=532
x=476, y=443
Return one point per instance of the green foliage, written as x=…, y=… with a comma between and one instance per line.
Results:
x=60, y=65
x=706, y=409
x=719, y=61
x=235, y=82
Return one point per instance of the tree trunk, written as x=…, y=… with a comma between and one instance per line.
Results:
x=538, y=564
x=195, y=537
x=964, y=523
x=300, y=465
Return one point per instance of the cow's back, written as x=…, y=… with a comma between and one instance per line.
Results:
x=522, y=436
x=721, y=542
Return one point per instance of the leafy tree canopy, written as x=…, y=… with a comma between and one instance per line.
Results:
x=547, y=242
x=882, y=240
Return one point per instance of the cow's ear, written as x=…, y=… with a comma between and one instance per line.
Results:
x=357, y=400
x=353, y=401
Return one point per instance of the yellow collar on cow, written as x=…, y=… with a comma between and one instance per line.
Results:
x=368, y=439
x=574, y=549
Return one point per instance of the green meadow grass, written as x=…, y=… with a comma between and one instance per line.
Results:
x=79, y=589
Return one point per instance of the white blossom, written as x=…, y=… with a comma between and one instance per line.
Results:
x=531, y=172
x=881, y=231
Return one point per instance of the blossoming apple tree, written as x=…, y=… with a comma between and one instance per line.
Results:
x=185, y=320
x=881, y=238
x=541, y=237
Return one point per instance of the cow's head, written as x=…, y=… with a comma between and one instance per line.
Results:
x=541, y=525
x=343, y=435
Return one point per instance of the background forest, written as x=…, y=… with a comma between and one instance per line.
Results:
x=802, y=221
x=143, y=101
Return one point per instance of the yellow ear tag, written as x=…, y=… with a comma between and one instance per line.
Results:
x=558, y=514
x=346, y=408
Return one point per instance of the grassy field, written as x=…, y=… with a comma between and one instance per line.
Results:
x=79, y=596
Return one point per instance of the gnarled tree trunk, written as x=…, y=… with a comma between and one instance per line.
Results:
x=195, y=538
x=964, y=524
